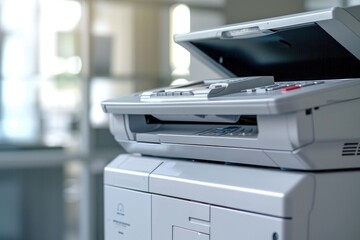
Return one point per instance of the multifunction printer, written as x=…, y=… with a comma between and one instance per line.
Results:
x=269, y=151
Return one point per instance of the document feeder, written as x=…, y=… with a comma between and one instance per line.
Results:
x=289, y=97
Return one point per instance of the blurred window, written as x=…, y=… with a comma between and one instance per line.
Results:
x=39, y=63
x=179, y=57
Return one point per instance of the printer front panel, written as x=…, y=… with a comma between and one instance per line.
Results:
x=177, y=219
x=174, y=219
x=247, y=208
x=133, y=215
x=127, y=214
x=232, y=224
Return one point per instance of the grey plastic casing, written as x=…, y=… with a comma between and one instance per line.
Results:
x=161, y=199
x=312, y=128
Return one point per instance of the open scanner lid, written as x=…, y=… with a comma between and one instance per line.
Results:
x=308, y=46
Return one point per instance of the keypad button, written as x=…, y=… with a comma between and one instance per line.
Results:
x=290, y=88
x=161, y=94
x=187, y=93
x=306, y=84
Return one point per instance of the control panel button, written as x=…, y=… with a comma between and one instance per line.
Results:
x=287, y=89
x=187, y=93
x=218, y=85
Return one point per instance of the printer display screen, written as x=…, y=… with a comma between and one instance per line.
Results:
x=299, y=53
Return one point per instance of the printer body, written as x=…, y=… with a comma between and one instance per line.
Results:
x=270, y=151
x=152, y=198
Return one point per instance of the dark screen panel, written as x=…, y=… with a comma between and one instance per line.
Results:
x=302, y=53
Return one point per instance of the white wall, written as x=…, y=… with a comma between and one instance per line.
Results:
x=245, y=10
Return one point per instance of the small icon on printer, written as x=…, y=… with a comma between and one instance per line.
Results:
x=120, y=209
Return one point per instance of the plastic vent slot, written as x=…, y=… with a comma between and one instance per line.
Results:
x=351, y=149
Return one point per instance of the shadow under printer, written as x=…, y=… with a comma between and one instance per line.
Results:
x=271, y=151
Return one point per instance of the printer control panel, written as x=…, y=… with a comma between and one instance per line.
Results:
x=202, y=90
x=284, y=86
x=207, y=89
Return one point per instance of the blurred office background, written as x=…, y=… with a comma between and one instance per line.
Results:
x=58, y=60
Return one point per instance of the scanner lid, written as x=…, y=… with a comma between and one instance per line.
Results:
x=314, y=45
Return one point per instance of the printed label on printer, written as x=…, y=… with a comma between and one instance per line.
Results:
x=119, y=221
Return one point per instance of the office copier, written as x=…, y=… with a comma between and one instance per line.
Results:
x=271, y=151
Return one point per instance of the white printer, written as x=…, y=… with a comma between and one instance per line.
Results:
x=271, y=151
